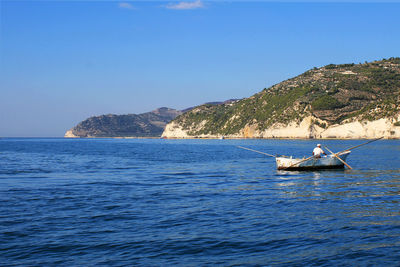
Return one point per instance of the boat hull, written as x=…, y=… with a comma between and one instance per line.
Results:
x=328, y=162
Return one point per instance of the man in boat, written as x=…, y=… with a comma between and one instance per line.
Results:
x=317, y=152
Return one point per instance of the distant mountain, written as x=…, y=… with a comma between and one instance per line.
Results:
x=150, y=124
x=334, y=101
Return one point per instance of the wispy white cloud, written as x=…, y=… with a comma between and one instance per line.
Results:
x=126, y=5
x=186, y=5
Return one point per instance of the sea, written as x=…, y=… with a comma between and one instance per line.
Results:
x=161, y=202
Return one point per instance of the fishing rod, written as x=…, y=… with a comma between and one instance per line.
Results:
x=359, y=145
x=257, y=151
x=297, y=163
x=336, y=155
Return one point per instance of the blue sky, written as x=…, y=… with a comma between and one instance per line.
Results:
x=64, y=61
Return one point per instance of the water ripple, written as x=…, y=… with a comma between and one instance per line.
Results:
x=193, y=203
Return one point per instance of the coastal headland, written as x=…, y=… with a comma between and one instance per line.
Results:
x=346, y=101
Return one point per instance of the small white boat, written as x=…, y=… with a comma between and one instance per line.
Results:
x=313, y=163
x=332, y=161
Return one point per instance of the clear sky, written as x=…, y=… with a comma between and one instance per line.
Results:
x=64, y=61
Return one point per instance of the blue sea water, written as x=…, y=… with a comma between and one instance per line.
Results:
x=150, y=202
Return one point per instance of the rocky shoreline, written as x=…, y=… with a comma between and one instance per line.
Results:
x=306, y=129
x=346, y=101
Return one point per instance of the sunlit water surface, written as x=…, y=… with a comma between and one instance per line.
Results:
x=149, y=202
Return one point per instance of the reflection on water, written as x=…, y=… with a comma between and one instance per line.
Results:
x=363, y=197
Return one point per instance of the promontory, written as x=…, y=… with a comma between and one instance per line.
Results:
x=335, y=101
x=149, y=124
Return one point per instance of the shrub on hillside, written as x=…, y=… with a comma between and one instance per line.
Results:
x=326, y=102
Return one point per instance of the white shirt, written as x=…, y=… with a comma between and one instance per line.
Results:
x=318, y=151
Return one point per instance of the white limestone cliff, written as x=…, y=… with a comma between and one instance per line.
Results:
x=69, y=134
x=307, y=128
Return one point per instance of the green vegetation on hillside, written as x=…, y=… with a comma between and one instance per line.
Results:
x=326, y=102
x=332, y=94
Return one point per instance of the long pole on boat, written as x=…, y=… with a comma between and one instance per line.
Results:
x=360, y=145
x=257, y=151
x=335, y=154
x=297, y=163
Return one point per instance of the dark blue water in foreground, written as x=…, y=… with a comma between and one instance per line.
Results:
x=116, y=202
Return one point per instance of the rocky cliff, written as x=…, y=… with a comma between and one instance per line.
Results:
x=335, y=101
x=150, y=124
